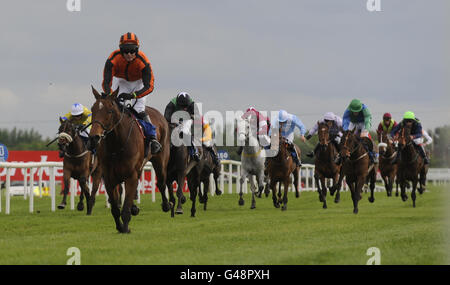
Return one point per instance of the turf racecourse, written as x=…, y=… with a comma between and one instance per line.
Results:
x=229, y=234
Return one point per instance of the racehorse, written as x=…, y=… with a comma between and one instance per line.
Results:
x=325, y=166
x=77, y=164
x=279, y=169
x=252, y=161
x=119, y=144
x=410, y=166
x=179, y=166
x=208, y=167
x=388, y=171
x=194, y=180
x=356, y=167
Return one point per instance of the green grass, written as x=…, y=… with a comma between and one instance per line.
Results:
x=229, y=234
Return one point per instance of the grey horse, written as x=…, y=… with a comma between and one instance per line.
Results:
x=252, y=160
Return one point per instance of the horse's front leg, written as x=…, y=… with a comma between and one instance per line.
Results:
x=96, y=179
x=130, y=193
x=413, y=191
x=286, y=184
x=273, y=186
x=372, y=180
x=337, y=198
x=180, y=195
x=323, y=192
x=113, y=198
x=66, y=177
x=338, y=185
x=241, y=182
x=297, y=191
x=253, y=189
x=193, y=188
x=319, y=190
x=84, y=192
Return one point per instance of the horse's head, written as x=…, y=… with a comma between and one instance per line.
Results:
x=323, y=133
x=66, y=134
x=247, y=132
x=348, y=143
x=105, y=113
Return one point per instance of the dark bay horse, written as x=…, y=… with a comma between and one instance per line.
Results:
x=356, y=167
x=77, y=164
x=325, y=166
x=279, y=169
x=180, y=164
x=388, y=171
x=410, y=166
x=208, y=167
x=119, y=144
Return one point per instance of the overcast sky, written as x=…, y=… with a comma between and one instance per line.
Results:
x=305, y=56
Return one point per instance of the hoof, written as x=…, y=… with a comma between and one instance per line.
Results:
x=337, y=199
x=320, y=198
x=253, y=206
x=218, y=192
x=324, y=206
x=165, y=207
x=241, y=202
x=62, y=206
x=179, y=211
x=134, y=210
x=297, y=194
x=371, y=199
x=284, y=208
x=404, y=198
x=355, y=211
x=183, y=199
x=80, y=206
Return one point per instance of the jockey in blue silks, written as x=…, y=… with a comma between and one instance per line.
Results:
x=288, y=122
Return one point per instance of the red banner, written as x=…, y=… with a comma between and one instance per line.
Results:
x=17, y=174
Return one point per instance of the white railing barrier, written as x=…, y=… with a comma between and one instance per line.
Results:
x=232, y=175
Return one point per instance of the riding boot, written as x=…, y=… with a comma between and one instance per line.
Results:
x=214, y=155
x=313, y=152
x=194, y=151
x=423, y=154
x=155, y=146
x=295, y=155
x=239, y=150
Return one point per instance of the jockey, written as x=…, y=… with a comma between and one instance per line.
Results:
x=258, y=120
x=409, y=118
x=287, y=123
x=334, y=123
x=386, y=125
x=357, y=116
x=207, y=138
x=183, y=102
x=80, y=116
x=129, y=69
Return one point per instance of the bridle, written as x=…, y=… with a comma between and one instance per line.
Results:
x=349, y=153
x=65, y=139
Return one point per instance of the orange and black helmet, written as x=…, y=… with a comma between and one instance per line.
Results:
x=129, y=38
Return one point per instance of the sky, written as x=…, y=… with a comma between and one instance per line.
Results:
x=305, y=56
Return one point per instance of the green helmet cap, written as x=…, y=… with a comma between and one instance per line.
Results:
x=355, y=106
x=409, y=116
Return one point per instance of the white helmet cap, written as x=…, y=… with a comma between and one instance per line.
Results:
x=329, y=116
x=282, y=116
x=77, y=109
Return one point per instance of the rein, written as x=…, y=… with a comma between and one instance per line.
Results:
x=70, y=139
x=106, y=132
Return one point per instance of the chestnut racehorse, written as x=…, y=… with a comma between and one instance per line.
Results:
x=77, y=164
x=119, y=143
x=325, y=166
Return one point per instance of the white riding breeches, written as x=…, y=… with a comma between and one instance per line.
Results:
x=129, y=87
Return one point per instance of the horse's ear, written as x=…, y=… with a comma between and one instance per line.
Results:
x=318, y=123
x=115, y=93
x=95, y=92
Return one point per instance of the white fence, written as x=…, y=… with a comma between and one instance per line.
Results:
x=231, y=175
